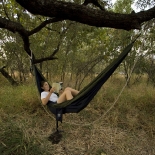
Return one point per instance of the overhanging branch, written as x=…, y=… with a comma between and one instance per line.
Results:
x=83, y=14
x=43, y=24
x=17, y=27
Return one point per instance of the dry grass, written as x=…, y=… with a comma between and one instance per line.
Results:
x=127, y=129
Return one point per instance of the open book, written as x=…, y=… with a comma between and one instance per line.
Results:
x=57, y=87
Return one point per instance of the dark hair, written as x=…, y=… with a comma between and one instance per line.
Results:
x=42, y=83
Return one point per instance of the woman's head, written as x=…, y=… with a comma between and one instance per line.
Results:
x=45, y=86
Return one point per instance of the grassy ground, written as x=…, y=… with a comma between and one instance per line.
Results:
x=126, y=127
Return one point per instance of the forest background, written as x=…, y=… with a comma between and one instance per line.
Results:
x=75, y=53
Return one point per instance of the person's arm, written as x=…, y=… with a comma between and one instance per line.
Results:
x=46, y=99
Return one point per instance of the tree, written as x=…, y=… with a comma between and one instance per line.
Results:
x=53, y=15
x=86, y=15
x=56, y=11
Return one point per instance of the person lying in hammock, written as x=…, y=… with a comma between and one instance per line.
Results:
x=49, y=95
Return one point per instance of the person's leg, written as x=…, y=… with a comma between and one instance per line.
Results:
x=66, y=95
x=73, y=91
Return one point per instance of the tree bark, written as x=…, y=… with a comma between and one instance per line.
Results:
x=8, y=77
x=17, y=27
x=86, y=15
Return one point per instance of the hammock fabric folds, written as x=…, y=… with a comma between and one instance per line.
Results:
x=80, y=101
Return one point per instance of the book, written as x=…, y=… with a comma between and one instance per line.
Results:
x=57, y=87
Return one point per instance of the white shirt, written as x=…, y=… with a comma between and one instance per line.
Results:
x=52, y=98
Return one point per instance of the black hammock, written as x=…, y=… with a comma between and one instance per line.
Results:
x=80, y=101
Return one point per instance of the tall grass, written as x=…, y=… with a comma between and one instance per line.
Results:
x=15, y=140
x=104, y=127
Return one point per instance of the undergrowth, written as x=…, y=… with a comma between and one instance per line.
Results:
x=104, y=127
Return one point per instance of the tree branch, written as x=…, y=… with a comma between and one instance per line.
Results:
x=5, y=10
x=12, y=26
x=17, y=27
x=86, y=15
x=7, y=76
x=44, y=59
x=43, y=24
x=60, y=41
x=95, y=2
x=52, y=56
